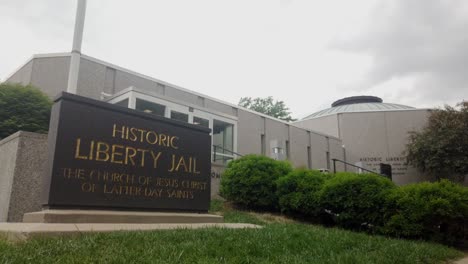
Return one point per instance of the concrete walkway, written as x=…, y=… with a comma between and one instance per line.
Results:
x=462, y=261
x=15, y=232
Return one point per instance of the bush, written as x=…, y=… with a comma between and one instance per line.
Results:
x=356, y=201
x=250, y=181
x=23, y=108
x=431, y=211
x=298, y=192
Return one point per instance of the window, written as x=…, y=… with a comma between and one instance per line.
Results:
x=288, y=154
x=148, y=107
x=201, y=121
x=223, y=127
x=179, y=116
x=223, y=141
x=123, y=103
x=309, y=158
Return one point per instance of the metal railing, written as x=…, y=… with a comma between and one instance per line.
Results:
x=352, y=165
x=215, y=153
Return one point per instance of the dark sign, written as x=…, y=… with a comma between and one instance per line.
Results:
x=110, y=157
x=386, y=169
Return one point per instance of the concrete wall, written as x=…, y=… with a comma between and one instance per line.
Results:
x=373, y=138
x=381, y=137
x=91, y=79
x=319, y=149
x=216, y=172
x=23, y=75
x=22, y=157
x=50, y=74
x=336, y=150
x=249, y=130
x=8, y=153
x=251, y=127
x=327, y=125
x=298, y=143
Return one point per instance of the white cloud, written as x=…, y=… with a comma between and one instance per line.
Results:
x=418, y=49
x=306, y=53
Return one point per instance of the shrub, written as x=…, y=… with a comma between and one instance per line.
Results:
x=298, y=192
x=23, y=108
x=432, y=211
x=356, y=201
x=250, y=181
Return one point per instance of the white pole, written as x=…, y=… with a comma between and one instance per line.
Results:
x=76, y=49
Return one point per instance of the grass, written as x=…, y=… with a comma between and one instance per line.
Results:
x=280, y=241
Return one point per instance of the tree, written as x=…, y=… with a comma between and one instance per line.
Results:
x=23, y=108
x=441, y=147
x=266, y=105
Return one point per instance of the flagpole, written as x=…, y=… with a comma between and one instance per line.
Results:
x=76, y=48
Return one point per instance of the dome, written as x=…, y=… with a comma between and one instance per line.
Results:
x=358, y=104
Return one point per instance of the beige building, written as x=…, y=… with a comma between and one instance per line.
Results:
x=372, y=132
x=358, y=129
x=361, y=130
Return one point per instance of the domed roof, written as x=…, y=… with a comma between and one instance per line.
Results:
x=358, y=104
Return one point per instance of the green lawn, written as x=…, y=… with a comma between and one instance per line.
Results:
x=280, y=241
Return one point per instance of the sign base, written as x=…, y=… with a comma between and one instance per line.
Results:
x=16, y=232
x=102, y=216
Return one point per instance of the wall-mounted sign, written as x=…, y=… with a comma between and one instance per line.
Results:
x=110, y=157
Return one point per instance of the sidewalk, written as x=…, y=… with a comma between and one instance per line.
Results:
x=462, y=261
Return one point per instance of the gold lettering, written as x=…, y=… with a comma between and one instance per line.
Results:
x=77, y=150
x=100, y=151
x=133, y=136
x=142, y=132
x=155, y=158
x=195, y=166
x=130, y=156
x=114, y=130
x=182, y=162
x=162, y=140
x=173, y=163
x=114, y=153
x=91, y=150
x=155, y=137
x=172, y=142
x=143, y=151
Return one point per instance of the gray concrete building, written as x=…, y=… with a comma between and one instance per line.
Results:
x=236, y=130
x=372, y=132
x=358, y=130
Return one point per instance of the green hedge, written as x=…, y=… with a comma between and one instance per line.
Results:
x=368, y=202
x=431, y=211
x=23, y=108
x=298, y=192
x=356, y=201
x=250, y=181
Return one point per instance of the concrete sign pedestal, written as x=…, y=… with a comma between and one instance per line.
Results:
x=99, y=216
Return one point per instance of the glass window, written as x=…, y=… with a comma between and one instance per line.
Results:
x=179, y=116
x=149, y=107
x=123, y=103
x=223, y=136
x=201, y=121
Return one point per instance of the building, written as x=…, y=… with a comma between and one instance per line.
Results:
x=358, y=130
x=372, y=132
x=236, y=130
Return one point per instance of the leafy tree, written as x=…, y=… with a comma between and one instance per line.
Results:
x=23, y=108
x=441, y=148
x=267, y=106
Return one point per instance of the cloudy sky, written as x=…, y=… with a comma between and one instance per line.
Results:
x=306, y=53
